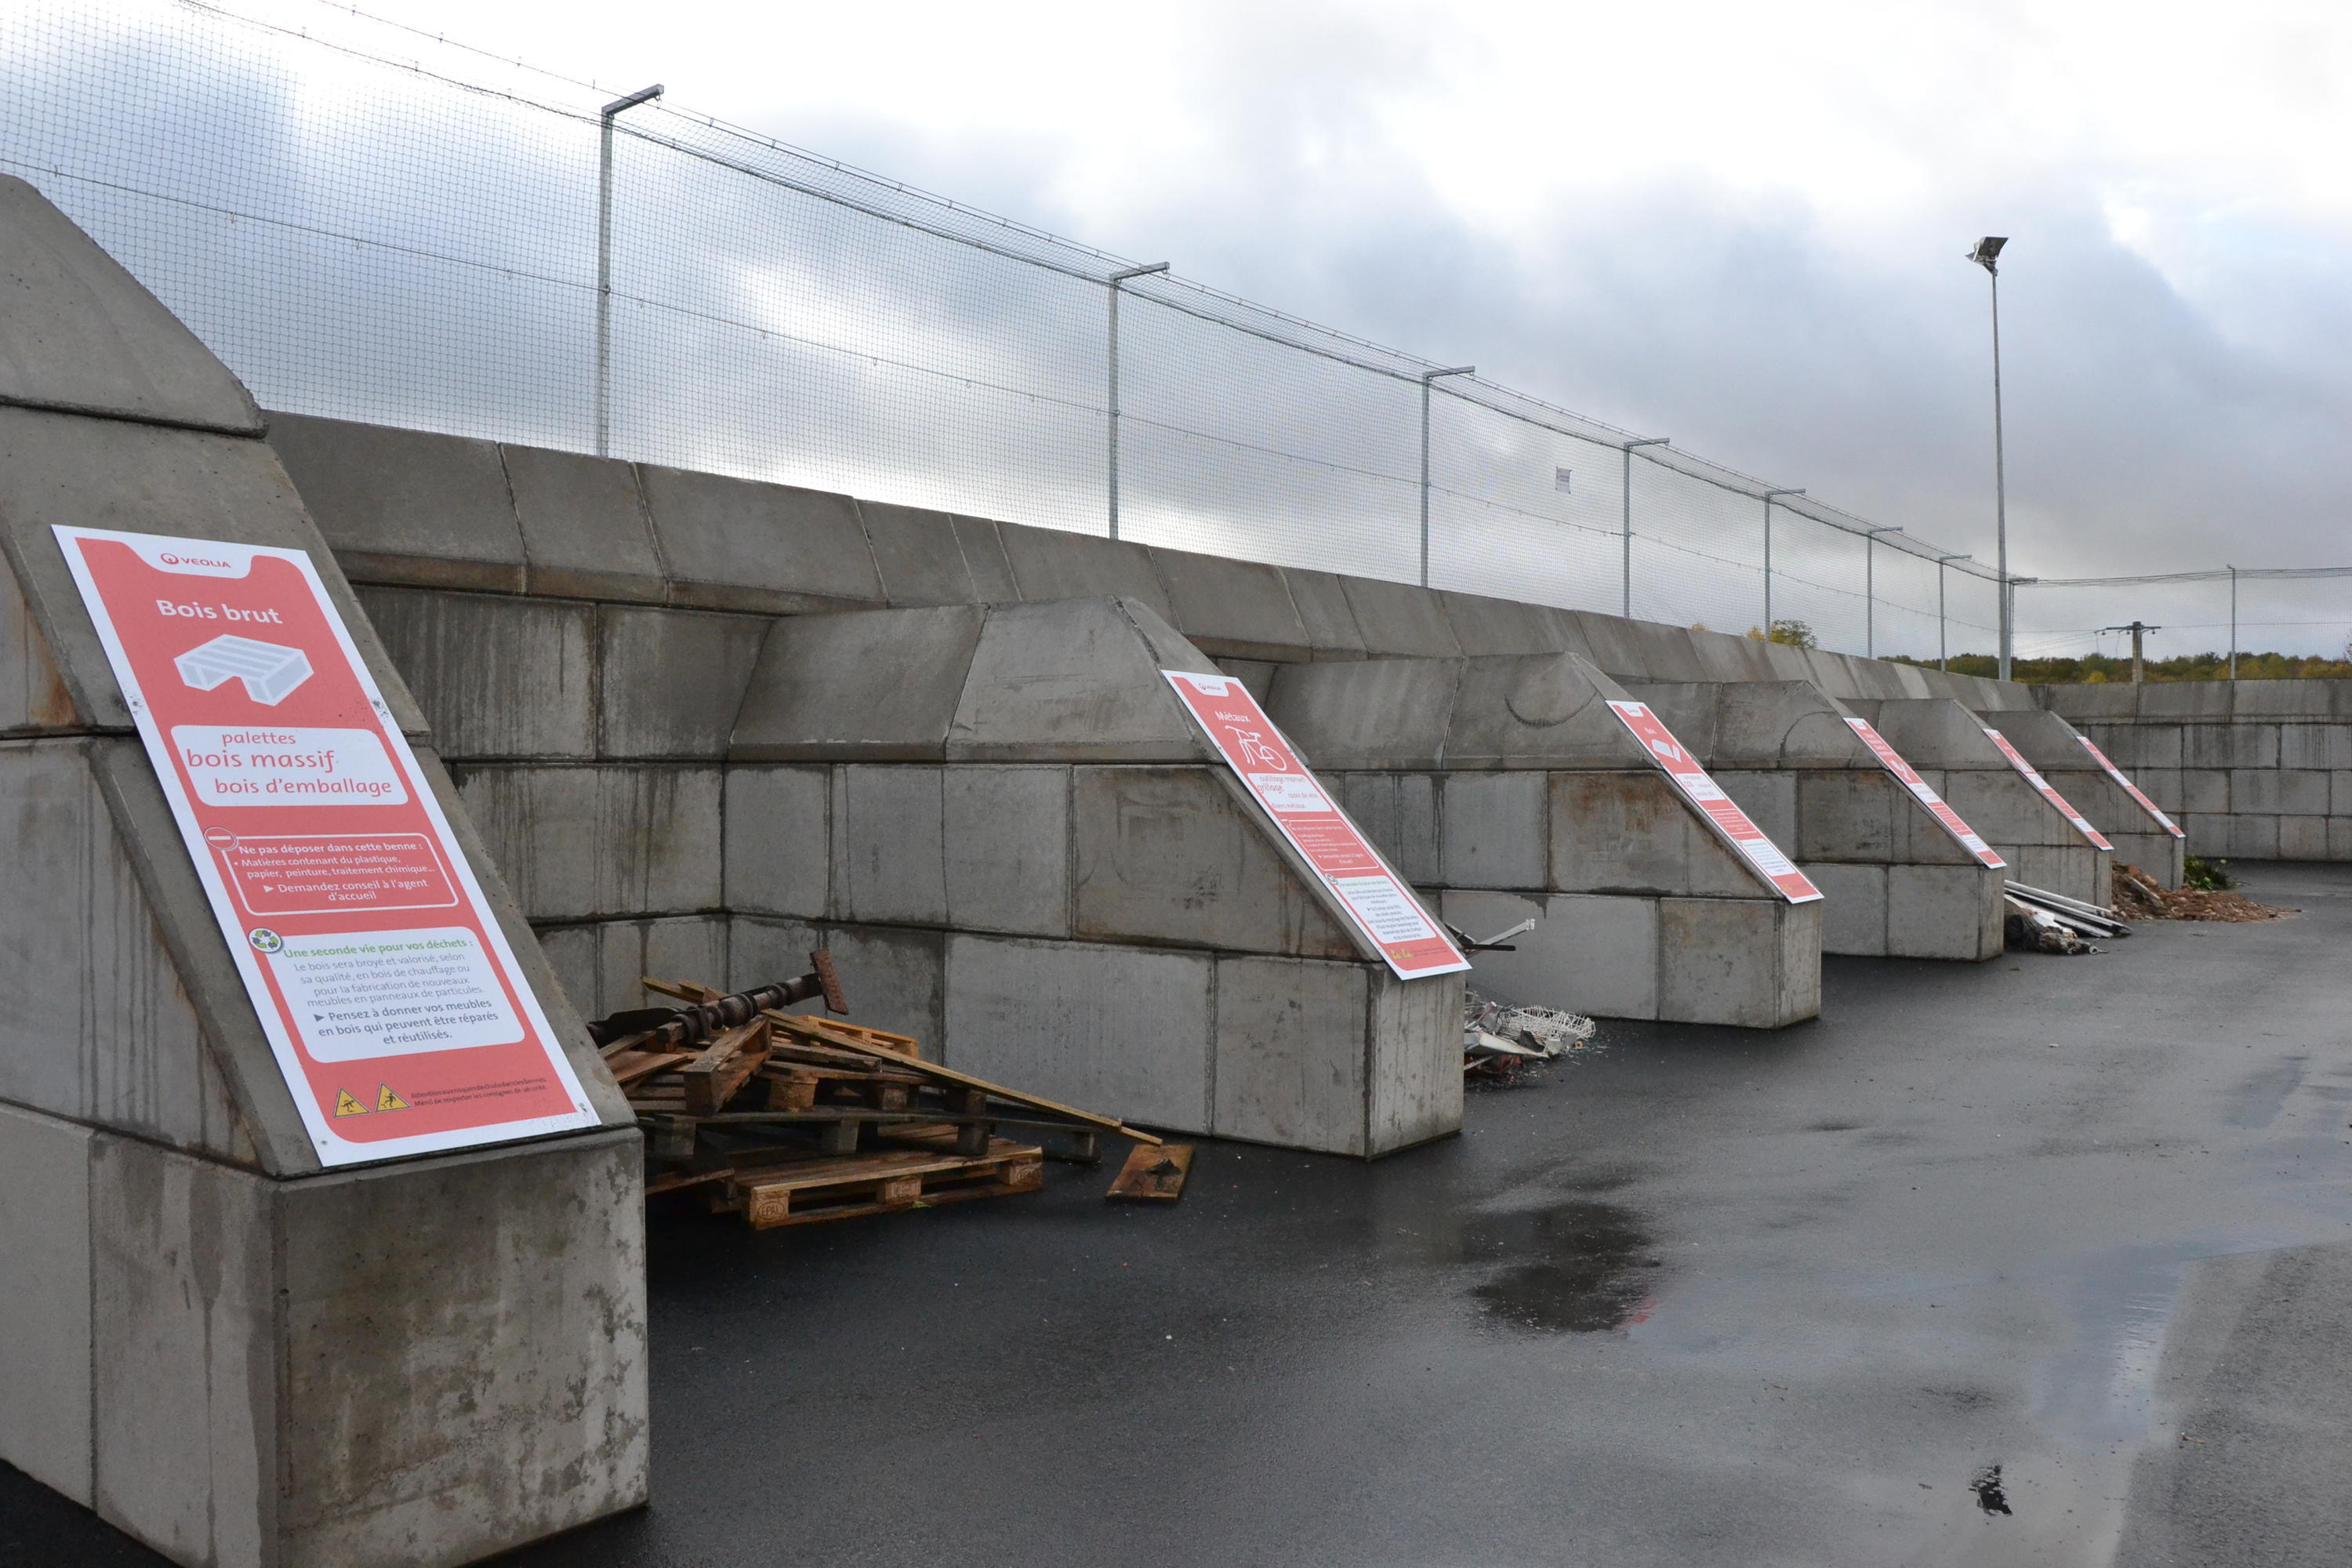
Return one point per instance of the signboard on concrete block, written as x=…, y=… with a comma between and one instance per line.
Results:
x=393, y=1005
x=1908, y=776
x=2042, y=786
x=1375, y=899
x=2130, y=788
x=1701, y=790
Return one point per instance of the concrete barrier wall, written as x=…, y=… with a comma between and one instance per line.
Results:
x=2055, y=748
x=235, y=1357
x=2256, y=769
x=1505, y=786
x=1895, y=882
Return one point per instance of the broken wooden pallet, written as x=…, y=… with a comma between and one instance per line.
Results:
x=806, y=1191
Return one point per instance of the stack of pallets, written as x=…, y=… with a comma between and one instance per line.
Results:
x=791, y=1120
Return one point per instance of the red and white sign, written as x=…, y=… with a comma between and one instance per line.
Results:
x=1382, y=906
x=2017, y=760
x=1746, y=839
x=1892, y=760
x=2130, y=788
x=390, y=996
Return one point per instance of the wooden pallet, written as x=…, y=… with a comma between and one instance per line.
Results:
x=808, y=1191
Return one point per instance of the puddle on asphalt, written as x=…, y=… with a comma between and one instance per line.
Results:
x=1578, y=1266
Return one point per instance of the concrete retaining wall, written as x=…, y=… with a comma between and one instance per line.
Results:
x=1504, y=786
x=2055, y=748
x=232, y=1355
x=2257, y=769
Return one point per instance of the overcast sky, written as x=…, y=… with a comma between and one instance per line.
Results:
x=1741, y=226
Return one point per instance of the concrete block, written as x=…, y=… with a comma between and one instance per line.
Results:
x=777, y=834
x=2254, y=837
x=1853, y=909
x=1942, y=912
x=1321, y=600
x=45, y=1357
x=1370, y=802
x=1123, y=1031
x=2162, y=786
x=496, y=676
x=1779, y=724
x=406, y=506
x=103, y=1028
x=1494, y=830
x=78, y=334
x=2303, y=700
x=1415, y=1052
x=1851, y=816
x=1752, y=962
x=2193, y=700
x=2340, y=793
x=1592, y=954
x=2208, y=833
x=890, y=863
x=2080, y=703
x=2271, y=792
x=1537, y=711
x=1290, y=1057
x=918, y=554
x=2159, y=746
x=1170, y=854
x=2339, y=838
x=585, y=843
x=1689, y=708
x=895, y=975
x=1076, y=680
x=882, y=686
x=585, y=531
x=1381, y=713
x=100, y=473
x=33, y=695
x=1503, y=628
x=2302, y=838
x=1631, y=833
x=984, y=558
x=673, y=680
x=1256, y=675
x=1008, y=849
x=424, y=1363
x=1240, y=608
x=1722, y=655
x=599, y=964
x=1049, y=563
x=1769, y=799
x=2315, y=746
x=2003, y=809
x=738, y=544
x=1416, y=859
x=1399, y=619
x=2231, y=745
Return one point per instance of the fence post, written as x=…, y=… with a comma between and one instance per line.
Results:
x=1943, y=625
x=1627, y=450
x=1428, y=376
x=1110, y=389
x=2234, y=623
x=604, y=260
x=1770, y=497
x=1870, y=589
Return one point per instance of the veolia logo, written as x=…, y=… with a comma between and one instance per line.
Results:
x=168, y=559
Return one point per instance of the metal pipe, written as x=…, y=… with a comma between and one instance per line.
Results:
x=1112, y=400
x=1943, y=625
x=2234, y=623
x=604, y=260
x=1770, y=497
x=1426, y=377
x=2000, y=492
x=1627, y=450
x=1870, y=589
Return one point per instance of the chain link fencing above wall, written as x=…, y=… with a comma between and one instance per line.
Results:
x=369, y=222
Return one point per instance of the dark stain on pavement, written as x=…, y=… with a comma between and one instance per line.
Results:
x=1581, y=1267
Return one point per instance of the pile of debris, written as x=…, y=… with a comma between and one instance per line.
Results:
x=2040, y=920
x=2142, y=897
x=791, y=1119
x=1498, y=1040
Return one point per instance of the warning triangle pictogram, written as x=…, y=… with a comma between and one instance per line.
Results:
x=347, y=1106
x=387, y=1100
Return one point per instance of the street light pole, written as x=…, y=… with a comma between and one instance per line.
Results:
x=1770, y=497
x=1626, y=452
x=1986, y=255
x=2234, y=623
x=1943, y=625
x=1111, y=470
x=1426, y=377
x=1870, y=588
x=605, y=261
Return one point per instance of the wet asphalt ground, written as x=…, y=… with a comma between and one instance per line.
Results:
x=2046, y=1261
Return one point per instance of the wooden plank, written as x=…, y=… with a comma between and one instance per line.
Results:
x=633, y=1067
x=1008, y=1168
x=838, y=1031
x=713, y=1077
x=681, y=990
x=965, y=1080
x=1153, y=1175
x=626, y=1043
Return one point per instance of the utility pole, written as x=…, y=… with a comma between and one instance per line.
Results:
x=1111, y=470
x=1986, y=255
x=1627, y=450
x=2139, y=630
x=1770, y=497
x=604, y=260
x=1426, y=377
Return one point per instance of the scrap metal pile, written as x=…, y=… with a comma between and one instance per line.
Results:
x=1498, y=1041
x=791, y=1119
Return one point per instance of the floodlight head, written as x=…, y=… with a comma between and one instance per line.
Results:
x=1987, y=252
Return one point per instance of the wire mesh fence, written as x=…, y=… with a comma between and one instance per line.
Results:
x=368, y=223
